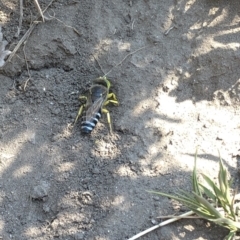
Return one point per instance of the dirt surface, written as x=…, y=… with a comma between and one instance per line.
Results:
x=179, y=92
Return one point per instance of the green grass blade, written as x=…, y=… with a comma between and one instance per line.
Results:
x=218, y=193
x=222, y=177
x=223, y=180
x=195, y=183
x=230, y=236
x=208, y=192
x=212, y=186
x=192, y=204
x=201, y=213
x=186, y=195
x=208, y=205
x=228, y=223
x=182, y=199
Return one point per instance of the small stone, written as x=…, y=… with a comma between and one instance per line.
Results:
x=127, y=18
x=46, y=208
x=79, y=236
x=40, y=192
x=219, y=138
x=56, y=111
x=134, y=169
x=180, y=88
x=154, y=222
x=141, y=155
x=199, y=222
x=96, y=171
x=204, y=24
x=154, y=38
x=55, y=224
x=165, y=88
x=156, y=198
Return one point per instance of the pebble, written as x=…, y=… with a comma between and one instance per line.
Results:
x=96, y=171
x=46, y=208
x=79, y=236
x=40, y=192
x=199, y=222
x=156, y=198
x=154, y=222
x=56, y=111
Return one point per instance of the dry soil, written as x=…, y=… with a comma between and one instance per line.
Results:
x=180, y=91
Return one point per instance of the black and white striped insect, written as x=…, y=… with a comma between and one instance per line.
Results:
x=95, y=104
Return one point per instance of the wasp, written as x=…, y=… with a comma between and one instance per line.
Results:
x=98, y=97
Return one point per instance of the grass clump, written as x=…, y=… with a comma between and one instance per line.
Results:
x=211, y=201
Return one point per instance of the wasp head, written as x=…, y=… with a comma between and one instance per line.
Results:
x=103, y=81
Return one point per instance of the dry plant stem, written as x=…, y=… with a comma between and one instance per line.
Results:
x=39, y=9
x=29, y=75
x=124, y=59
x=23, y=39
x=171, y=28
x=133, y=23
x=26, y=35
x=174, y=216
x=161, y=225
x=20, y=18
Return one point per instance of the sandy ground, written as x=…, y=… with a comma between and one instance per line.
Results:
x=180, y=91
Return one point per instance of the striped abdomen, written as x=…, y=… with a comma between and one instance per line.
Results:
x=88, y=125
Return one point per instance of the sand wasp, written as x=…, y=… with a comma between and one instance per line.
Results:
x=95, y=104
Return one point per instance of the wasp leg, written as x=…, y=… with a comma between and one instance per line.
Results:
x=104, y=110
x=79, y=113
x=83, y=97
x=115, y=102
x=80, y=109
x=113, y=96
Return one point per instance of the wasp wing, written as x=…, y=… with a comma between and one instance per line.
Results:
x=93, y=109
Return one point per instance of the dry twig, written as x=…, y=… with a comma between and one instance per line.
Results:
x=167, y=32
x=161, y=225
x=29, y=75
x=20, y=18
x=174, y=216
x=39, y=9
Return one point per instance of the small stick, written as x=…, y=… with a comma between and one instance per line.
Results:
x=20, y=18
x=124, y=59
x=29, y=75
x=166, y=33
x=39, y=9
x=173, y=216
x=133, y=23
x=161, y=225
x=25, y=36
